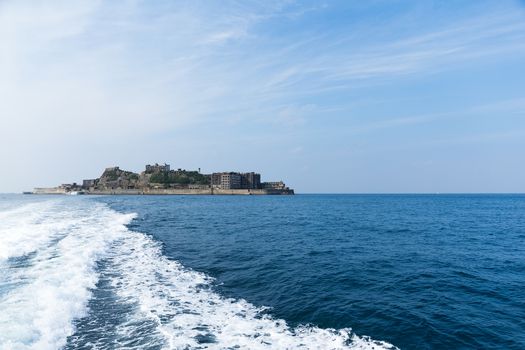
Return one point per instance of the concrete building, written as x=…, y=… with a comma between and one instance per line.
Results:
x=157, y=168
x=88, y=183
x=233, y=180
x=215, y=179
x=278, y=185
x=230, y=181
x=250, y=180
x=226, y=180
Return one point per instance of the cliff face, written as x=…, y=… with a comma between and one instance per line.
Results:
x=117, y=178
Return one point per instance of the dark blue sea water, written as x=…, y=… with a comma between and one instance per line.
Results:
x=416, y=271
x=419, y=271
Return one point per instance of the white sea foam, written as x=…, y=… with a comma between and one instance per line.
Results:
x=187, y=311
x=55, y=283
x=22, y=229
x=51, y=287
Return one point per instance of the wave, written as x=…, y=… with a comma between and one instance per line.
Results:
x=50, y=251
x=168, y=305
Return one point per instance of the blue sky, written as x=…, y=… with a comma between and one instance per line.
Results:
x=330, y=96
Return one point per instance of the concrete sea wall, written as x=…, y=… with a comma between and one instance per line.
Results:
x=208, y=191
x=49, y=190
x=171, y=191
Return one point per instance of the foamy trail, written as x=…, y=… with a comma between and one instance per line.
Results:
x=55, y=252
x=177, y=308
x=50, y=272
x=24, y=228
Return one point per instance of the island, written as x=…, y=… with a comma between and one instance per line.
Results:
x=159, y=179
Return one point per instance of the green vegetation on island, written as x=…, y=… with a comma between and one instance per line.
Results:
x=182, y=177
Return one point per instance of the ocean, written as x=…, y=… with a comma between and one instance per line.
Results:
x=262, y=272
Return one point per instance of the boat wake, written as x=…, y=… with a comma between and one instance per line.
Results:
x=72, y=275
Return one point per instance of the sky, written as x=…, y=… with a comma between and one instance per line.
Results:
x=329, y=96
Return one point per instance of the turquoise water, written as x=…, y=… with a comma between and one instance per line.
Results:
x=304, y=271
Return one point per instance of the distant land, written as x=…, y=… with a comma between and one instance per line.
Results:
x=160, y=179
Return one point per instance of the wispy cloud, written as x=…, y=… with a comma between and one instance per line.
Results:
x=494, y=110
x=187, y=61
x=514, y=106
x=472, y=138
x=123, y=72
x=424, y=54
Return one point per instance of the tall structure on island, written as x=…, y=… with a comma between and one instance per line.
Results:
x=226, y=180
x=233, y=180
x=156, y=168
x=251, y=180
